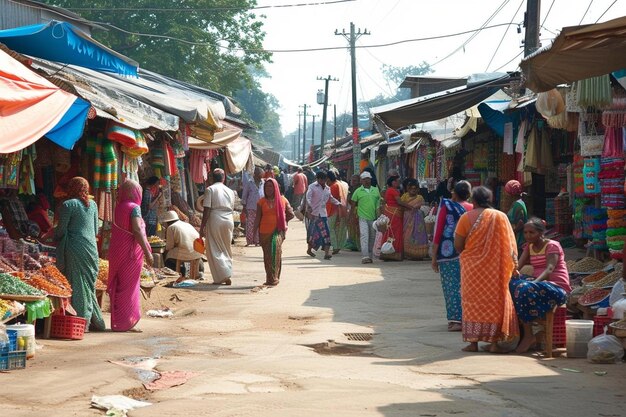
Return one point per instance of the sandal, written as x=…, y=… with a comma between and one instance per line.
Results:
x=328, y=256
x=310, y=253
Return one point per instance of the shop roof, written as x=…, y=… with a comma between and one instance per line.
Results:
x=64, y=42
x=111, y=103
x=440, y=105
x=26, y=96
x=577, y=53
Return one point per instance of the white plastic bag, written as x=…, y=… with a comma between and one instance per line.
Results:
x=605, y=349
x=387, y=247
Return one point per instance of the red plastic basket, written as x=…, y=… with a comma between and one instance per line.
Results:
x=67, y=327
x=598, y=324
x=558, y=327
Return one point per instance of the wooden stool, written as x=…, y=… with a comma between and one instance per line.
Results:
x=194, y=268
x=548, y=324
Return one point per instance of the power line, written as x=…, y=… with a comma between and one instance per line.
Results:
x=474, y=33
x=504, y=35
x=607, y=9
x=547, y=14
x=588, y=7
x=201, y=9
x=508, y=62
x=331, y=48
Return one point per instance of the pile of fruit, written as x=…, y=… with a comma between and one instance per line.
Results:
x=155, y=241
x=40, y=282
x=10, y=285
x=9, y=308
x=103, y=275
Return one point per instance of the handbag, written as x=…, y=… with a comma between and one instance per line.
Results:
x=198, y=245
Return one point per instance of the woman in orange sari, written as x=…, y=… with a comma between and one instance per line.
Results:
x=488, y=249
x=273, y=214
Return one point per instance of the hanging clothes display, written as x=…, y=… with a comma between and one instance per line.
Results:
x=27, y=171
x=104, y=163
x=10, y=169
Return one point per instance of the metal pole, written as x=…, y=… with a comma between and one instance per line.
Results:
x=323, y=137
x=335, y=125
x=313, y=137
x=297, y=155
x=304, y=137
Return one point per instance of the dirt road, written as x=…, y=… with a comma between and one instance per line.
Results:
x=267, y=353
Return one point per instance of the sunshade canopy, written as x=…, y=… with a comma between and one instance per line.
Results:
x=579, y=52
x=439, y=105
x=63, y=42
x=26, y=97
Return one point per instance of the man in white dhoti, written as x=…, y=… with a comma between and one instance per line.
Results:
x=219, y=203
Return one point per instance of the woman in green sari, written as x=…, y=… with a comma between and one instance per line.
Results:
x=518, y=215
x=77, y=252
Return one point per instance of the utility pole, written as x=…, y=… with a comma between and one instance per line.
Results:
x=352, y=37
x=297, y=153
x=313, y=134
x=532, y=25
x=304, y=137
x=335, y=127
x=325, y=104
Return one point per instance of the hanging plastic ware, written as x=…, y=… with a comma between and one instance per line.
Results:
x=550, y=103
x=121, y=134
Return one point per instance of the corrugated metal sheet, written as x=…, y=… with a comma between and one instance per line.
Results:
x=14, y=15
x=18, y=13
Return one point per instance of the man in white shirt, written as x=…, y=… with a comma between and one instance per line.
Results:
x=316, y=197
x=219, y=204
x=179, y=237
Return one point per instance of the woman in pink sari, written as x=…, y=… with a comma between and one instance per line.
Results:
x=127, y=250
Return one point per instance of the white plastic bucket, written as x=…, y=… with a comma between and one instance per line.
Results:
x=578, y=333
x=25, y=338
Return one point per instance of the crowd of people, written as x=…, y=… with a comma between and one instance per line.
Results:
x=499, y=273
x=477, y=250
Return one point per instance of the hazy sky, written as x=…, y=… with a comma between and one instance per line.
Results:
x=293, y=75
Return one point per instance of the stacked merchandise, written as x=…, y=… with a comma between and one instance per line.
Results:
x=563, y=214
x=612, y=182
x=616, y=232
x=473, y=177
x=598, y=225
x=579, y=185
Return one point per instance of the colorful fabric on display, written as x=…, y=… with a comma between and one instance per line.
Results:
x=104, y=164
x=10, y=169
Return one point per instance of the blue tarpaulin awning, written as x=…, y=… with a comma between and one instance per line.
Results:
x=63, y=42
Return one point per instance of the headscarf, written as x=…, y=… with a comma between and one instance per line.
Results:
x=78, y=187
x=281, y=222
x=130, y=191
x=513, y=188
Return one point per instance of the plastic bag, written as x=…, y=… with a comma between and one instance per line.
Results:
x=605, y=349
x=550, y=103
x=387, y=247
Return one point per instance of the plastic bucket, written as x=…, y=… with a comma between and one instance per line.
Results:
x=578, y=334
x=25, y=338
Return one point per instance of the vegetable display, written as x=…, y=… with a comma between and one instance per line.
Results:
x=14, y=286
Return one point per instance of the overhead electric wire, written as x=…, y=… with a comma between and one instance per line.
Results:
x=508, y=62
x=474, y=34
x=362, y=68
x=330, y=48
x=607, y=9
x=202, y=9
x=504, y=35
x=586, y=11
x=547, y=14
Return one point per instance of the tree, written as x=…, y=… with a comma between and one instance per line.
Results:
x=225, y=37
x=396, y=75
x=260, y=109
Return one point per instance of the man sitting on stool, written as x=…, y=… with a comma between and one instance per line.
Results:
x=179, y=243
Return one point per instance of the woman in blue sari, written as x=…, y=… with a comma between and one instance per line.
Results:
x=445, y=259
